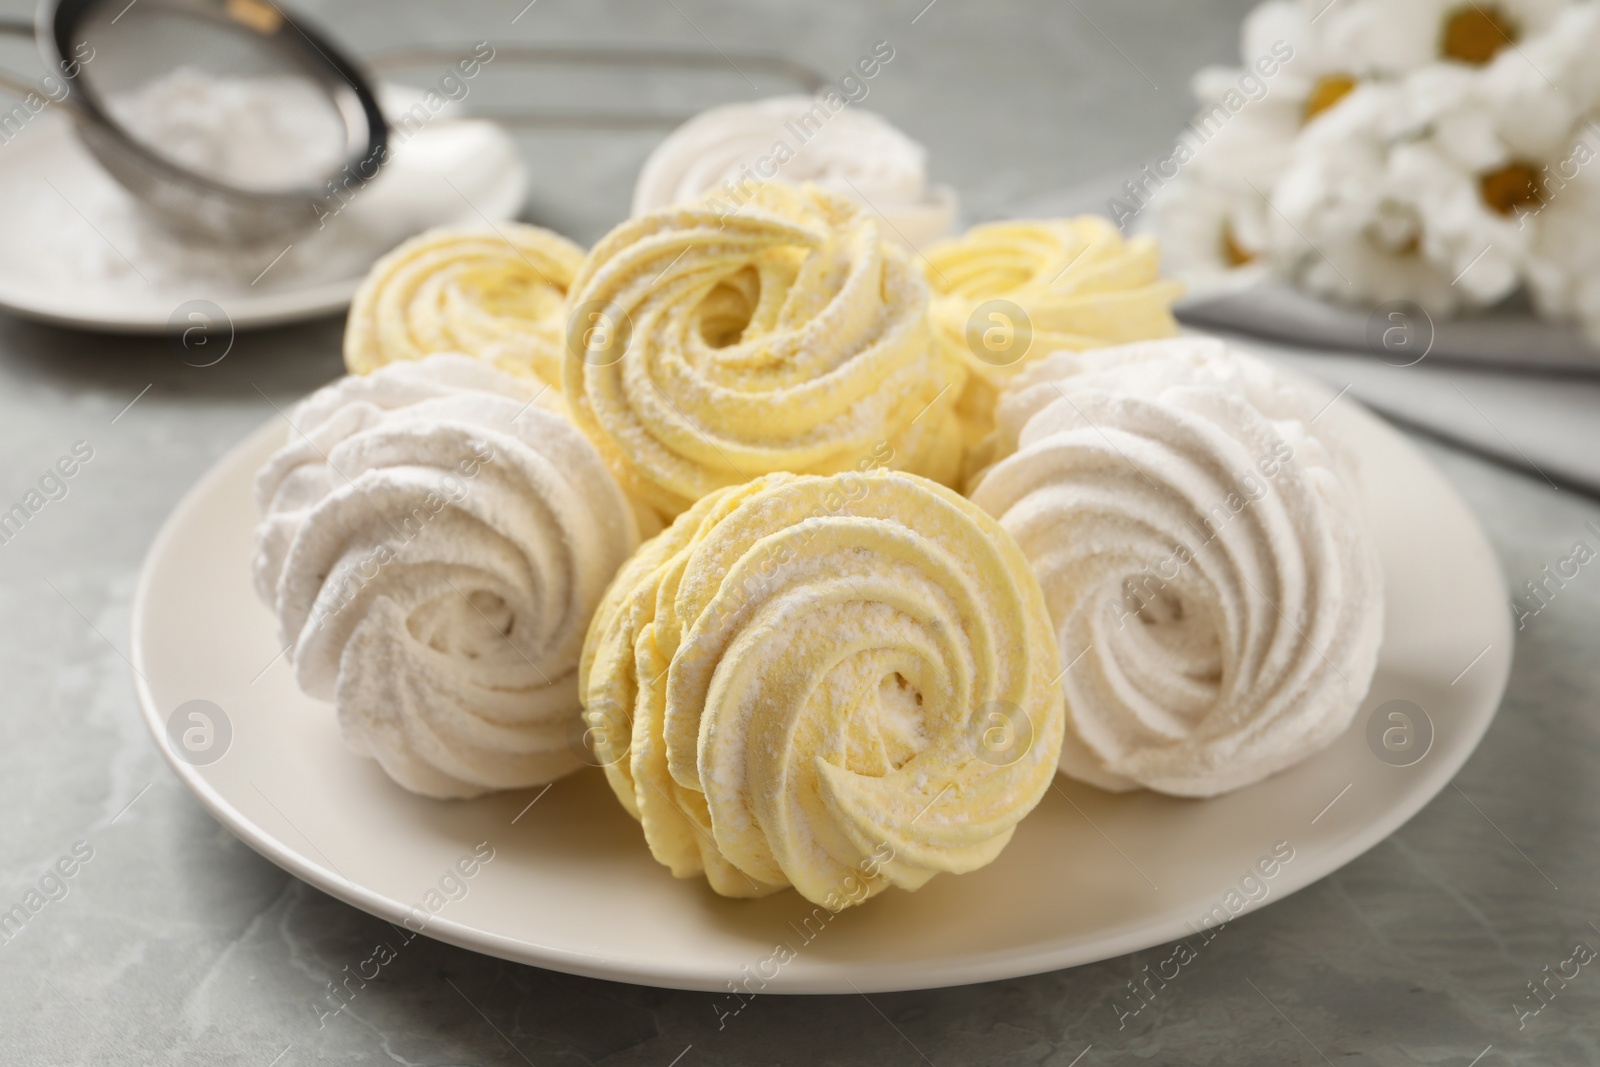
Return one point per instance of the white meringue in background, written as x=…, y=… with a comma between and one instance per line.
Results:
x=854, y=152
x=434, y=542
x=1199, y=538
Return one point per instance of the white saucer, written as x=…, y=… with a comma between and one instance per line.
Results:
x=572, y=887
x=63, y=262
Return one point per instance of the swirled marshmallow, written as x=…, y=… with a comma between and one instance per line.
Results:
x=1198, y=531
x=836, y=683
x=706, y=349
x=496, y=293
x=798, y=139
x=434, y=542
x=1007, y=294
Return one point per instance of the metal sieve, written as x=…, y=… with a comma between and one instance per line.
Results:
x=102, y=50
x=103, y=54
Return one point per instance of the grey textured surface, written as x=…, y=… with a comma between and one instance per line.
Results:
x=178, y=945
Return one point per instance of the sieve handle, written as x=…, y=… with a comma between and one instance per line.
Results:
x=15, y=82
x=582, y=55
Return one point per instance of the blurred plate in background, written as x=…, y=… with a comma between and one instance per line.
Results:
x=77, y=253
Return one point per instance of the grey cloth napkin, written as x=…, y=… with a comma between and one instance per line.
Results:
x=1547, y=426
x=1508, y=336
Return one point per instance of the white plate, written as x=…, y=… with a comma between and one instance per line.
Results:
x=572, y=887
x=71, y=257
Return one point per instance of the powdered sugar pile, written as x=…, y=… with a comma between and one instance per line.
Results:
x=273, y=132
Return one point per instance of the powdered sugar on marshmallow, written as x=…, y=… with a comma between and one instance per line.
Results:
x=1198, y=534
x=434, y=540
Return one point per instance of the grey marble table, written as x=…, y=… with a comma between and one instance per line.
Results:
x=176, y=944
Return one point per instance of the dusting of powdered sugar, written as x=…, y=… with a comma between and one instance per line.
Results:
x=271, y=132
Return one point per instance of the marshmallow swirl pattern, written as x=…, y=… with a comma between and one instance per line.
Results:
x=1077, y=283
x=707, y=350
x=434, y=544
x=498, y=294
x=836, y=683
x=1200, y=540
x=798, y=139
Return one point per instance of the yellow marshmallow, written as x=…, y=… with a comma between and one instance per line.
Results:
x=838, y=683
x=709, y=345
x=1077, y=282
x=498, y=294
